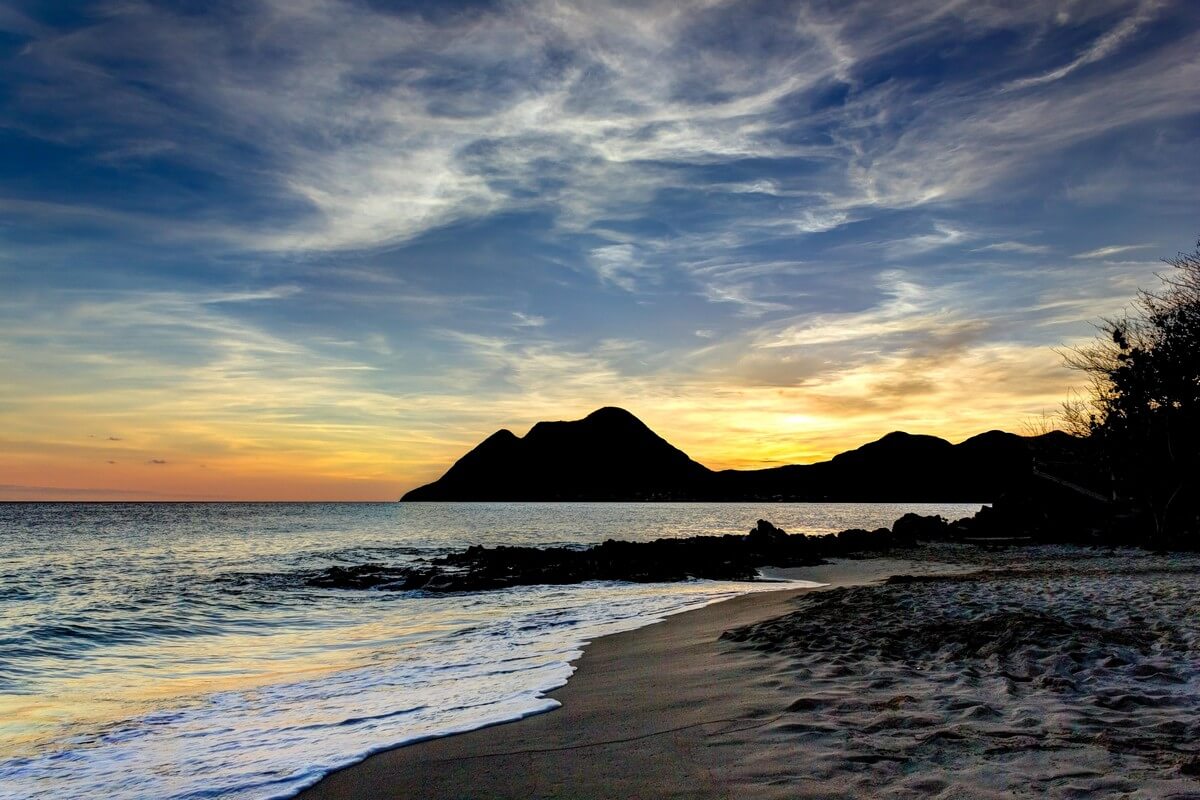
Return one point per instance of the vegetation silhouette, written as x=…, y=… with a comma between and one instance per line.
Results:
x=1142, y=412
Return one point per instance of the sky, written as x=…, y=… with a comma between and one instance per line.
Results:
x=317, y=249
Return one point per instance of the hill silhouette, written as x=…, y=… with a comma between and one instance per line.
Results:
x=608, y=455
x=612, y=455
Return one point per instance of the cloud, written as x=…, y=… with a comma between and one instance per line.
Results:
x=754, y=287
x=409, y=123
x=528, y=320
x=1111, y=250
x=908, y=307
x=943, y=235
x=619, y=265
x=748, y=299
x=22, y=492
x=1013, y=247
x=1101, y=48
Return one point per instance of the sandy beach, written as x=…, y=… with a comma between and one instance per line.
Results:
x=1058, y=673
x=639, y=718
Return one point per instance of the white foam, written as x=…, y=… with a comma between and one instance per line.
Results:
x=491, y=662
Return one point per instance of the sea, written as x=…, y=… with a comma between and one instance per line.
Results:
x=175, y=650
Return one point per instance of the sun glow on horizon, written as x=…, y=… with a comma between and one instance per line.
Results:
x=378, y=460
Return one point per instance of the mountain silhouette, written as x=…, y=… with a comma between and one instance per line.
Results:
x=612, y=455
x=608, y=455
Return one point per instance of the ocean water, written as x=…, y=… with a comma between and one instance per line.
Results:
x=174, y=650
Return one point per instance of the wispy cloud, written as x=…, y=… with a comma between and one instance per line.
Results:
x=1111, y=250
x=943, y=235
x=618, y=264
x=394, y=131
x=907, y=307
x=1013, y=247
x=523, y=320
x=1106, y=44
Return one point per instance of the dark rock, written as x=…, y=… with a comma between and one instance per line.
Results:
x=1048, y=510
x=766, y=534
x=361, y=576
x=730, y=558
x=914, y=528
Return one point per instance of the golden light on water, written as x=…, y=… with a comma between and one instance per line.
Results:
x=128, y=682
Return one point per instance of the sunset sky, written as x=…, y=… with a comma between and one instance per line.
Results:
x=308, y=249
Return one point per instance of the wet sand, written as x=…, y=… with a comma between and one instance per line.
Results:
x=648, y=713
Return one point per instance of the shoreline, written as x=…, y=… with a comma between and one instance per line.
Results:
x=632, y=717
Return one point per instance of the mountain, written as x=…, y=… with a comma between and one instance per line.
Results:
x=608, y=455
x=612, y=455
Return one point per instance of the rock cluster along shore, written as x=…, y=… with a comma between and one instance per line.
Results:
x=1035, y=511
x=731, y=557
x=1040, y=513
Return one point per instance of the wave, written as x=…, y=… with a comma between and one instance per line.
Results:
x=488, y=662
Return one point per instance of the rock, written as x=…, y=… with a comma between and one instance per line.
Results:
x=724, y=558
x=912, y=528
x=361, y=576
x=764, y=531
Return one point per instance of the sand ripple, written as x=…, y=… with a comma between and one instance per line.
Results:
x=1076, y=675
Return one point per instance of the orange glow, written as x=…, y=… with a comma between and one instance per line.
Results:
x=207, y=454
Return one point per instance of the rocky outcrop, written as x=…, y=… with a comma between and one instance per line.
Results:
x=731, y=558
x=1038, y=513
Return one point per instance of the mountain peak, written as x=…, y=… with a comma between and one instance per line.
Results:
x=612, y=414
x=897, y=445
x=609, y=454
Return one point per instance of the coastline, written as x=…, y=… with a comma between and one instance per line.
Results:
x=647, y=713
x=1052, y=671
